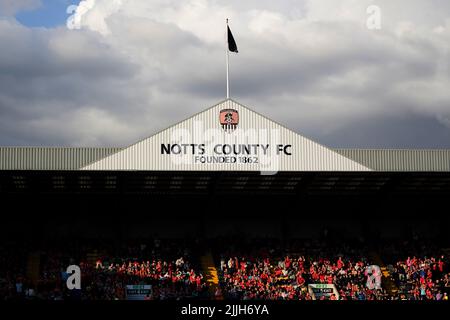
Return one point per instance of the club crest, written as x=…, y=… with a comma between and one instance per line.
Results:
x=229, y=119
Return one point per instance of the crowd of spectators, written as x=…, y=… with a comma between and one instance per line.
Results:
x=14, y=284
x=420, y=270
x=169, y=279
x=261, y=269
x=274, y=274
x=170, y=267
x=422, y=278
x=283, y=271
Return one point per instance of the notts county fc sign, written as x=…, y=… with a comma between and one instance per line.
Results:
x=227, y=137
x=229, y=119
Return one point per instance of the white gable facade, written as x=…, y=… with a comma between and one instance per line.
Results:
x=227, y=137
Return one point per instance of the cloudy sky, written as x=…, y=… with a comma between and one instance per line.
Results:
x=127, y=68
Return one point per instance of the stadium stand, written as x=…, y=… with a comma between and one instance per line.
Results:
x=233, y=268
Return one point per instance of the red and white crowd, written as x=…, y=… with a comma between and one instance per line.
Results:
x=256, y=271
x=423, y=278
x=287, y=278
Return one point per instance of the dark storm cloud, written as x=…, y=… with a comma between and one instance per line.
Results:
x=53, y=74
x=406, y=131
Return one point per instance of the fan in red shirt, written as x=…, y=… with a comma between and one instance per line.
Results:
x=300, y=280
x=340, y=263
x=330, y=279
x=441, y=265
x=322, y=278
x=287, y=262
x=192, y=276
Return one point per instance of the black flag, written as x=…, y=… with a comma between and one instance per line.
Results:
x=231, y=43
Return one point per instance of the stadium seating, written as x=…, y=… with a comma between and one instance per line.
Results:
x=262, y=269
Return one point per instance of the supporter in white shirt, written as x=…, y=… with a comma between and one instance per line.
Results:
x=222, y=264
x=30, y=292
x=230, y=263
x=179, y=262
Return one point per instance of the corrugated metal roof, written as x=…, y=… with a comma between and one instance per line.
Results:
x=145, y=155
x=41, y=158
x=400, y=159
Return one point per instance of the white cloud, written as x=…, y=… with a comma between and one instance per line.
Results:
x=93, y=13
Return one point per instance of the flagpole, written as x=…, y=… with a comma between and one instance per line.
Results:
x=228, y=64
